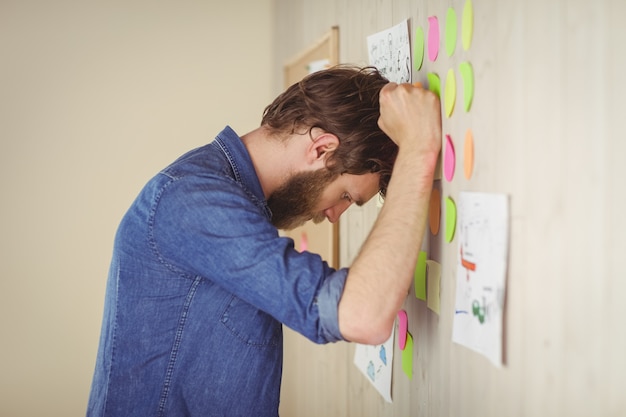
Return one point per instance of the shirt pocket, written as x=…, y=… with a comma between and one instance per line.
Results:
x=251, y=325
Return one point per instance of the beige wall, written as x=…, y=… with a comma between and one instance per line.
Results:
x=94, y=98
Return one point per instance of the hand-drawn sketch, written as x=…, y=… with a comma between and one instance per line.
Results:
x=390, y=52
x=375, y=362
x=483, y=234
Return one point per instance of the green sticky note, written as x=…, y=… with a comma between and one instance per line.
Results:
x=434, y=83
x=450, y=92
x=451, y=31
x=420, y=276
x=467, y=75
x=418, y=48
x=450, y=219
x=407, y=356
x=467, y=25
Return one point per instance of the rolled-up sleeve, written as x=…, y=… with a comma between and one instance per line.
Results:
x=328, y=305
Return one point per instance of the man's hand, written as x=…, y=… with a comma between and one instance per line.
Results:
x=411, y=117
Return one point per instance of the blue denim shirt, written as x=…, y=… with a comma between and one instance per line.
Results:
x=199, y=284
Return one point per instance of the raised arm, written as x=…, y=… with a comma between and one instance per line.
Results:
x=381, y=275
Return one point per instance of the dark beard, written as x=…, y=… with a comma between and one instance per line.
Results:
x=293, y=204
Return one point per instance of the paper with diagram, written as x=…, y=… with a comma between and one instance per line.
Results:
x=376, y=363
x=483, y=236
x=390, y=52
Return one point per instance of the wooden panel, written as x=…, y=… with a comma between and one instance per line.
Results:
x=327, y=47
x=547, y=124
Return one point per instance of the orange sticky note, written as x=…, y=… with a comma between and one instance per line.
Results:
x=468, y=154
x=434, y=211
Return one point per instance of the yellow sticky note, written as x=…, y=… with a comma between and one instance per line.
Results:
x=450, y=219
x=467, y=75
x=433, y=273
x=450, y=31
x=467, y=28
x=450, y=92
x=420, y=276
x=407, y=356
x=434, y=83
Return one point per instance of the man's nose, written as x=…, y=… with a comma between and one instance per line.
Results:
x=333, y=213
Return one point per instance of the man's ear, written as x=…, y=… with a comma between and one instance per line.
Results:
x=322, y=146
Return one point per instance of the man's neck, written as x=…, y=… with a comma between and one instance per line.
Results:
x=274, y=159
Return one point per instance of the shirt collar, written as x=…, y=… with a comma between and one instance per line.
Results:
x=241, y=163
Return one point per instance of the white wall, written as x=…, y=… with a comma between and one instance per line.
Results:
x=95, y=97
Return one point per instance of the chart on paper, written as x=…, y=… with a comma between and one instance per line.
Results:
x=481, y=273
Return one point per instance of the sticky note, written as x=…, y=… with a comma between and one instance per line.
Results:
x=407, y=356
x=420, y=276
x=304, y=242
x=418, y=48
x=450, y=219
x=450, y=92
x=403, y=325
x=449, y=159
x=467, y=25
x=434, y=83
x=451, y=27
x=433, y=38
x=433, y=273
x=434, y=211
x=468, y=154
x=467, y=75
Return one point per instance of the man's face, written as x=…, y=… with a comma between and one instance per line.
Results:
x=317, y=195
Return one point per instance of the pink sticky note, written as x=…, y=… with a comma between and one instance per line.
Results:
x=304, y=242
x=433, y=38
x=403, y=325
x=449, y=159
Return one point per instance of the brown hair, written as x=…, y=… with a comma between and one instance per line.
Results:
x=342, y=100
